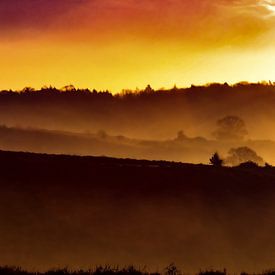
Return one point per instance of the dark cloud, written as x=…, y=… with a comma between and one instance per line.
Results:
x=202, y=20
x=20, y=14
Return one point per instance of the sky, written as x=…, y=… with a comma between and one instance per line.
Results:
x=121, y=44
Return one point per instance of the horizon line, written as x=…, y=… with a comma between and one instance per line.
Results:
x=73, y=87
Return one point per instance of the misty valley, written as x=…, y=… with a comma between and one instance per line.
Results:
x=82, y=212
x=143, y=178
x=137, y=137
x=185, y=125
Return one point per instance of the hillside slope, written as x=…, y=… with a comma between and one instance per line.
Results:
x=82, y=211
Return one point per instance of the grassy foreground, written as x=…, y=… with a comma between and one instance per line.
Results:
x=67, y=210
x=108, y=270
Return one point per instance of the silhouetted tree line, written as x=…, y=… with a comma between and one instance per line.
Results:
x=147, y=91
x=85, y=109
x=174, y=101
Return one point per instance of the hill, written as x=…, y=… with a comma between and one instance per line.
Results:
x=147, y=114
x=60, y=210
x=183, y=148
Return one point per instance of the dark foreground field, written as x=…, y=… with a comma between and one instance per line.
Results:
x=107, y=270
x=84, y=211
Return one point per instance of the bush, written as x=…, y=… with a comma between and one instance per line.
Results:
x=239, y=155
x=248, y=164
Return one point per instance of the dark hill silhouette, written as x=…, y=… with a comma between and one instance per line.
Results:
x=60, y=210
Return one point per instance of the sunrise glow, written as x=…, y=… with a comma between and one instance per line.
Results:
x=113, y=45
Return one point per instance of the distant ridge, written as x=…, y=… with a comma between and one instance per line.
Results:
x=98, y=160
x=70, y=89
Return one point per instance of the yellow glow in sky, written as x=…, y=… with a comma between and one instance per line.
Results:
x=115, y=44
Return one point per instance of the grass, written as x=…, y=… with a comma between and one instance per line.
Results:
x=100, y=270
x=108, y=270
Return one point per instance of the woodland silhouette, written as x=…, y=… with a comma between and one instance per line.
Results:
x=155, y=113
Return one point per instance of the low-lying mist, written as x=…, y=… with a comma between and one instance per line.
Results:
x=61, y=211
x=146, y=114
x=80, y=211
x=180, y=148
x=186, y=125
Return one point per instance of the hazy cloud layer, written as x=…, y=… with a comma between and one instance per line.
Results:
x=18, y=14
x=39, y=14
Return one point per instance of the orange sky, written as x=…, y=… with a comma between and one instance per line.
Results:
x=116, y=44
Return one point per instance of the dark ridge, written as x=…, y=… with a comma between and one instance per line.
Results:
x=95, y=160
x=61, y=210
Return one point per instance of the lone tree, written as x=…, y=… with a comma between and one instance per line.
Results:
x=239, y=155
x=148, y=89
x=230, y=128
x=181, y=136
x=216, y=161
